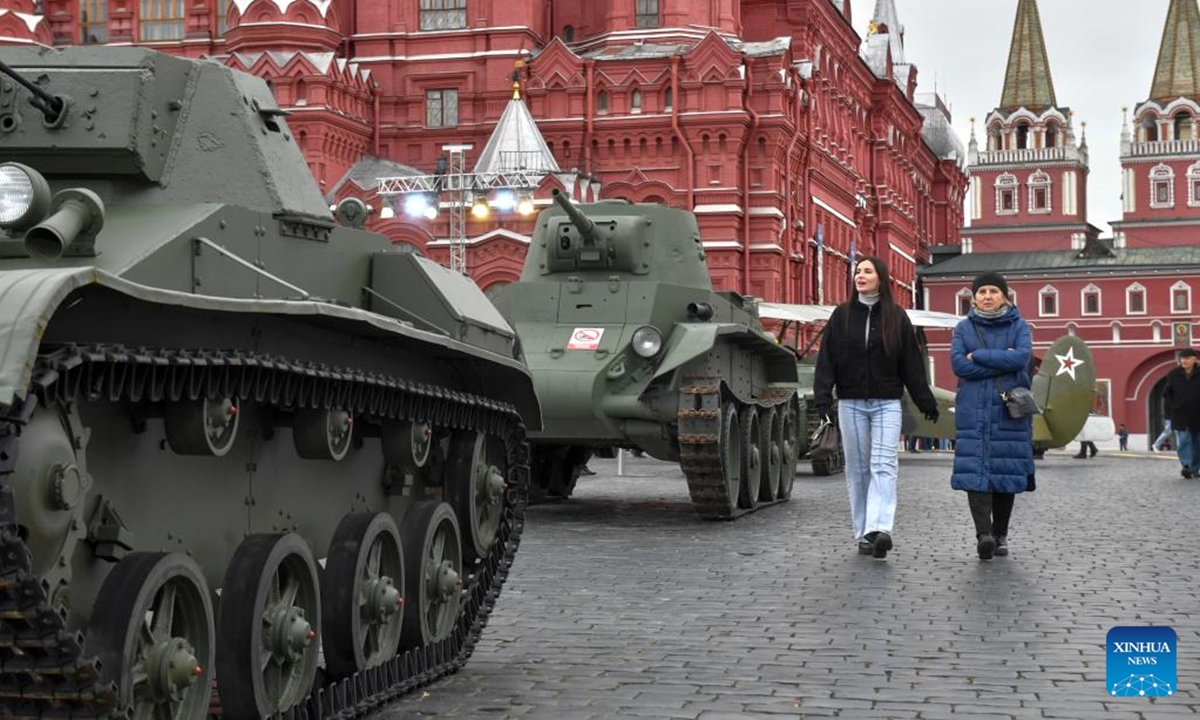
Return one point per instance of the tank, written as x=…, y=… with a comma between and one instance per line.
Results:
x=630, y=346
x=253, y=461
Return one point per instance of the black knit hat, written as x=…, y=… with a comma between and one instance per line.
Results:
x=990, y=278
x=1187, y=352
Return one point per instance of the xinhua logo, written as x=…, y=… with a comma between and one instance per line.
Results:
x=1141, y=661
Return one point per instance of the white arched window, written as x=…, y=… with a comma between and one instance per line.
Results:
x=1135, y=299
x=1156, y=328
x=635, y=102
x=1162, y=186
x=962, y=302
x=1048, y=302
x=1089, y=300
x=1006, y=195
x=1193, y=184
x=1039, y=192
x=1116, y=332
x=1181, y=298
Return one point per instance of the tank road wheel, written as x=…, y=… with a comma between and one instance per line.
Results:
x=152, y=628
x=752, y=465
x=433, y=584
x=269, y=619
x=201, y=427
x=478, y=484
x=363, y=604
x=730, y=451
x=788, y=476
x=771, y=447
x=322, y=433
x=407, y=444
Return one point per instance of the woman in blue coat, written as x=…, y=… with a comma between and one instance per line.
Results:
x=993, y=453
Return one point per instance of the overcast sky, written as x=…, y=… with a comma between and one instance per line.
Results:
x=1102, y=56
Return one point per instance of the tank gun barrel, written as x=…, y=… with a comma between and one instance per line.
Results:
x=582, y=223
x=51, y=106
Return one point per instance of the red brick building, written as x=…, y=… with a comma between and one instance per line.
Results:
x=797, y=143
x=1130, y=296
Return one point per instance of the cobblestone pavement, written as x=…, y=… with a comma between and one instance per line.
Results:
x=623, y=604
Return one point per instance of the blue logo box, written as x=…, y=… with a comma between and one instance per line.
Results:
x=1140, y=661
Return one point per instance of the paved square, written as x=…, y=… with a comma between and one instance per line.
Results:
x=622, y=603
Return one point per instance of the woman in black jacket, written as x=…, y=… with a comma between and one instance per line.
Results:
x=869, y=353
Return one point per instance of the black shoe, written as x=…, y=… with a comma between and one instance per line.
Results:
x=585, y=470
x=1080, y=457
x=1187, y=473
x=986, y=546
x=1001, y=546
x=865, y=546
x=881, y=544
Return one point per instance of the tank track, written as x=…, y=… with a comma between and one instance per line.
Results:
x=699, y=446
x=43, y=670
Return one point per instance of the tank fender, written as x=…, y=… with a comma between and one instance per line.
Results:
x=30, y=298
x=691, y=340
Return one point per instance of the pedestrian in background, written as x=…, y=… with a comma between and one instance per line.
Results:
x=1123, y=437
x=1084, y=447
x=1160, y=442
x=993, y=455
x=1182, y=399
x=869, y=354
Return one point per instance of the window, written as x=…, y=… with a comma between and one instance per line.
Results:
x=1039, y=192
x=647, y=13
x=1135, y=299
x=443, y=14
x=1193, y=176
x=1006, y=195
x=1162, y=187
x=93, y=21
x=1181, y=297
x=1048, y=302
x=1090, y=300
x=668, y=100
x=1022, y=136
x=1150, y=128
x=441, y=108
x=161, y=20
x=222, y=12
x=635, y=102
x=1051, y=135
x=964, y=302
x=568, y=33
x=1116, y=332
x=602, y=103
x=995, y=139
x=1183, y=125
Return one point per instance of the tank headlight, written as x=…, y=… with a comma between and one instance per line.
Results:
x=24, y=196
x=647, y=341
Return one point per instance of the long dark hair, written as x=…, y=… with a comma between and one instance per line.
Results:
x=891, y=318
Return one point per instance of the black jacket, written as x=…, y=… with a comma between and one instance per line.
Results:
x=854, y=361
x=1182, y=399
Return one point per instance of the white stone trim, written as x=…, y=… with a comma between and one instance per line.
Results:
x=1129, y=291
x=1159, y=174
x=1181, y=285
x=1007, y=183
x=958, y=298
x=717, y=208
x=1193, y=184
x=1041, y=308
x=1091, y=288
x=1039, y=180
x=833, y=211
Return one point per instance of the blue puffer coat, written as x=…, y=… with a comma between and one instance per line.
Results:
x=992, y=451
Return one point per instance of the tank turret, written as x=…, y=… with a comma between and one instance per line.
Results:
x=209, y=382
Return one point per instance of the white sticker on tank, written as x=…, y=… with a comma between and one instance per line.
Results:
x=585, y=339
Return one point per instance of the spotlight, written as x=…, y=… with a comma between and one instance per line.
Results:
x=505, y=201
x=479, y=208
x=431, y=212
x=387, y=213
x=525, y=205
x=415, y=204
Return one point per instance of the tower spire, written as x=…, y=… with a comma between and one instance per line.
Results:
x=1028, y=83
x=1177, y=73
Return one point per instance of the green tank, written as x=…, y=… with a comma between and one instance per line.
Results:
x=244, y=444
x=629, y=346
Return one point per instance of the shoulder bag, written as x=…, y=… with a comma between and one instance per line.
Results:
x=1019, y=400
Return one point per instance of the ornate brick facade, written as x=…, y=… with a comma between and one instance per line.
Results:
x=796, y=142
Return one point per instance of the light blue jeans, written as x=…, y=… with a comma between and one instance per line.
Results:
x=871, y=438
x=1187, y=447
